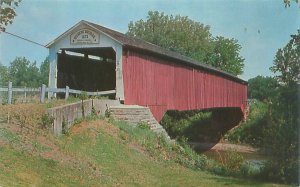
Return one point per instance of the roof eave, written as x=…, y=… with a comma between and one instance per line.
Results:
x=87, y=23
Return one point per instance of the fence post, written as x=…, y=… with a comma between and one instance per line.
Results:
x=43, y=93
x=9, y=98
x=67, y=92
x=25, y=95
x=0, y=98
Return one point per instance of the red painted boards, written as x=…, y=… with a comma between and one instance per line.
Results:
x=163, y=84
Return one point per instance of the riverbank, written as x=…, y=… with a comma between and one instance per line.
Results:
x=217, y=151
x=222, y=147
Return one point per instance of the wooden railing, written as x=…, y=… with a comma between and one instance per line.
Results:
x=43, y=90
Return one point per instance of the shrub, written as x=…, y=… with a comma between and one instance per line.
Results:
x=229, y=163
x=281, y=143
x=83, y=96
x=94, y=112
x=46, y=121
x=251, y=169
x=193, y=159
x=107, y=113
x=281, y=137
x=143, y=125
x=232, y=161
x=281, y=171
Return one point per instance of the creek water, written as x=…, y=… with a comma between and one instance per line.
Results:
x=218, y=151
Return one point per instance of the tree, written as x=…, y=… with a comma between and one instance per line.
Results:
x=225, y=55
x=262, y=88
x=189, y=38
x=3, y=75
x=7, y=13
x=44, y=71
x=282, y=135
x=176, y=33
x=287, y=62
x=24, y=73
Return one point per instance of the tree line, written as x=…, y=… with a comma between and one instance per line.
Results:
x=22, y=72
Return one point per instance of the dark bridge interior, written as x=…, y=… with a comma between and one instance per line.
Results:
x=210, y=128
x=87, y=69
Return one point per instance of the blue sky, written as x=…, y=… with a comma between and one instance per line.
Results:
x=260, y=26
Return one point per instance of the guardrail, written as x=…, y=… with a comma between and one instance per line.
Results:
x=43, y=89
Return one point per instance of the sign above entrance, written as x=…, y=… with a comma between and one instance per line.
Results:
x=84, y=36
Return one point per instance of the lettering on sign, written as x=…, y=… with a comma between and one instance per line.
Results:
x=84, y=36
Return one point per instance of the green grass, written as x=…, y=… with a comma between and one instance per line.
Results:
x=22, y=169
x=8, y=136
x=97, y=153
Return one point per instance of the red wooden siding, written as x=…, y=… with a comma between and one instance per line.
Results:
x=164, y=85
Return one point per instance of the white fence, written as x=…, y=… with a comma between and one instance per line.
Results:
x=42, y=92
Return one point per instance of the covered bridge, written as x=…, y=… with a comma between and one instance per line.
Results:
x=90, y=57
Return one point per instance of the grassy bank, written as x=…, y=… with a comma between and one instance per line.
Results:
x=98, y=152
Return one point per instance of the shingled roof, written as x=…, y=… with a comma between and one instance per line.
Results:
x=128, y=41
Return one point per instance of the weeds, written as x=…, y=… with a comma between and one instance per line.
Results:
x=78, y=120
x=39, y=147
x=160, y=148
x=26, y=116
x=143, y=125
x=46, y=121
x=59, y=102
x=94, y=112
x=92, y=117
x=65, y=128
x=107, y=113
x=231, y=161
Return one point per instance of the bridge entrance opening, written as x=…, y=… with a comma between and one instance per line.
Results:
x=87, y=69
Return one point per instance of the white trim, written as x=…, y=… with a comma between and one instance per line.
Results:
x=50, y=44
